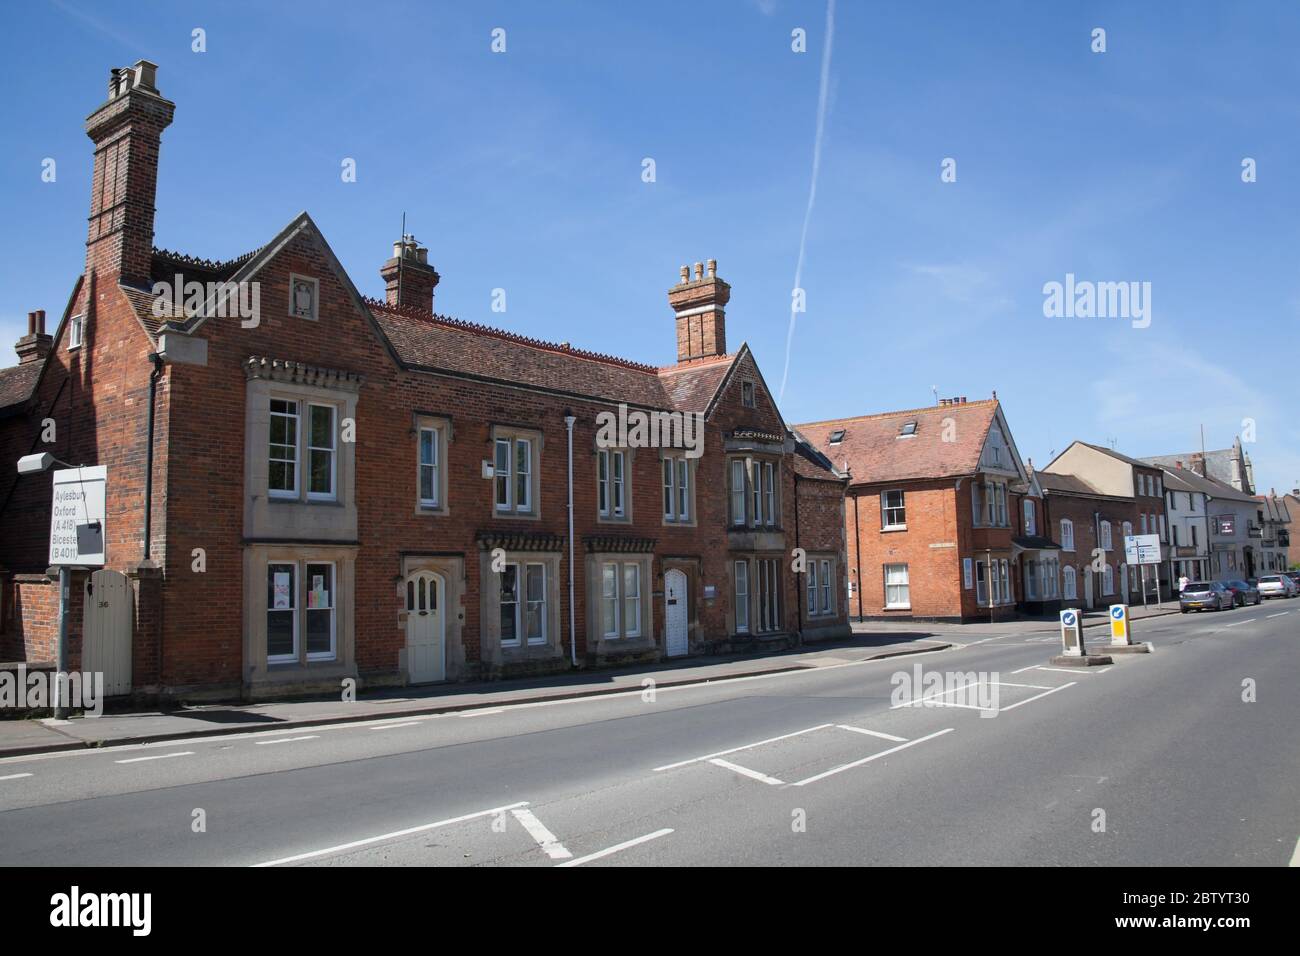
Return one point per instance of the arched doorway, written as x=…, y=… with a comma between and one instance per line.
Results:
x=676, y=614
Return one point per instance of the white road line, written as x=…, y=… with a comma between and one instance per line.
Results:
x=1035, y=697
x=481, y=713
x=617, y=847
x=409, y=723
x=1278, y=614
x=1029, y=668
x=1249, y=620
x=391, y=836
x=547, y=840
x=1090, y=671
x=746, y=772
x=285, y=740
x=723, y=753
x=884, y=753
x=872, y=733
x=1295, y=857
x=15, y=776
x=182, y=753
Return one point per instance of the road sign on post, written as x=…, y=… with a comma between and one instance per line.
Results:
x=77, y=517
x=1119, y=634
x=1072, y=632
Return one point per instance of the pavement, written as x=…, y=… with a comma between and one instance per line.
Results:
x=1187, y=756
x=18, y=737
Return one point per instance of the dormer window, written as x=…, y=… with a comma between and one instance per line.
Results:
x=908, y=430
x=837, y=436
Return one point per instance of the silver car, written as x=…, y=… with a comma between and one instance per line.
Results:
x=1277, y=585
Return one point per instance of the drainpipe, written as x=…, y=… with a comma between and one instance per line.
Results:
x=154, y=375
x=857, y=548
x=569, y=419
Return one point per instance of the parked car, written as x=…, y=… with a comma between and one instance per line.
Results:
x=1277, y=585
x=1205, y=595
x=1294, y=576
x=1244, y=592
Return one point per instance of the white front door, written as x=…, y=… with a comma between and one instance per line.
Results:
x=676, y=618
x=1087, y=586
x=425, y=651
x=106, y=630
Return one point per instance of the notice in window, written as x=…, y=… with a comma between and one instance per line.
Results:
x=283, y=597
x=318, y=596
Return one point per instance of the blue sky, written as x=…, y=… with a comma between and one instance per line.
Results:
x=522, y=171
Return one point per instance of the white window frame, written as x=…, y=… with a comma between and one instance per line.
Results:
x=76, y=331
x=518, y=594
x=609, y=572
x=1108, y=579
x=1031, y=518
x=512, y=475
x=896, y=602
x=525, y=603
x=1067, y=534
x=331, y=450
x=611, y=483
x=810, y=583
x=1008, y=595
x=1070, y=588
x=741, y=578
x=981, y=584
x=889, y=513
x=1106, y=537
x=296, y=459
x=769, y=493
x=434, y=466
x=291, y=563
x=739, y=495
x=631, y=604
x=332, y=653
x=828, y=601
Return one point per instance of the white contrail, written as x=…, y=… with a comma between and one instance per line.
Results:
x=812, y=188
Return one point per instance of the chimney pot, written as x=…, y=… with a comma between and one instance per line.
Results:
x=699, y=271
x=713, y=268
x=31, y=323
x=40, y=321
x=686, y=273
x=699, y=309
x=408, y=277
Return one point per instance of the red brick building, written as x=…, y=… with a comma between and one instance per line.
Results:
x=345, y=486
x=930, y=513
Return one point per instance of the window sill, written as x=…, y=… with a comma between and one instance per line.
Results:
x=893, y=527
x=897, y=607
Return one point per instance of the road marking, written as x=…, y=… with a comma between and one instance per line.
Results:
x=409, y=723
x=547, y=840
x=391, y=836
x=723, y=753
x=884, y=753
x=481, y=713
x=15, y=776
x=284, y=740
x=1091, y=671
x=1249, y=620
x=872, y=733
x=1028, y=700
x=182, y=753
x=1278, y=614
x=746, y=772
x=617, y=847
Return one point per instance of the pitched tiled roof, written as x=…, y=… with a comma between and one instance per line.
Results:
x=811, y=463
x=875, y=452
x=1135, y=462
x=16, y=383
x=1049, y=481
x=1184, y=479
x=438, y=343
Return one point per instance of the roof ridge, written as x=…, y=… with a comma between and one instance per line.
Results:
x=210, y=265
x=903, y=411
x=424, y=315
x=696, y=364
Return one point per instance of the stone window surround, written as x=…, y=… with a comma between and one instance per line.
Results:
x=297, y=518
x=536, y=438
x=597, y=642
x=692, y=472
x=446, y=435
x=819, y=557
x=491, y=651
x=451, y=568
x=750, y=460
x=256, y=559
x=629, y=462
x=752, y=559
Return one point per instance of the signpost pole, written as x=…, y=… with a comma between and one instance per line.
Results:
x=61, y=666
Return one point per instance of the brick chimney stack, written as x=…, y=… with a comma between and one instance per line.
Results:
x=127, y=131
x=36, y=344
x=410, y=269
x=698, y=304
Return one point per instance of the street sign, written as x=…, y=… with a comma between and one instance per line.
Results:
x=1119, y=624
x=1142, y=548
x=77, y=516
x=1072, y=633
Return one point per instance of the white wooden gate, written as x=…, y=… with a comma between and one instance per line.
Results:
x=106, y=630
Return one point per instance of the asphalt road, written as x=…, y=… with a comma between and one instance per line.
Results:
x=1154, y=760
